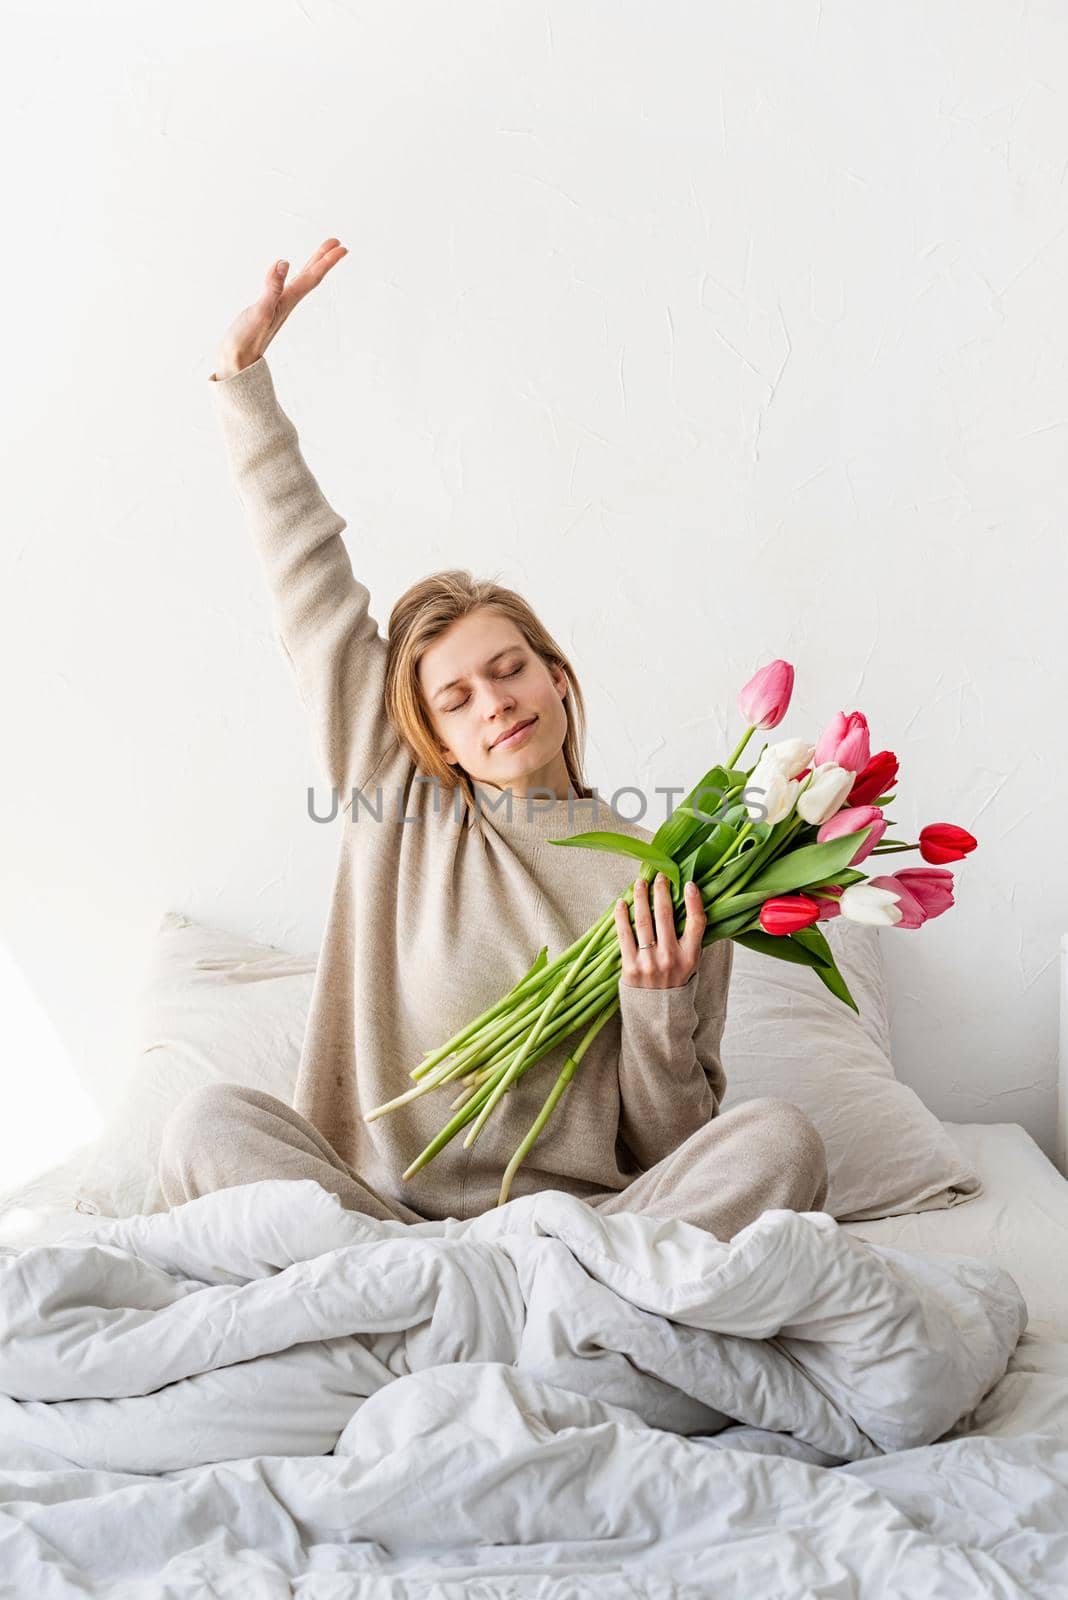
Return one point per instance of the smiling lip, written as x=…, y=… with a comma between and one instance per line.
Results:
x=514, y=737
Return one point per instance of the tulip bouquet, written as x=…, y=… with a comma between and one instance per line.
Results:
x=777, y=856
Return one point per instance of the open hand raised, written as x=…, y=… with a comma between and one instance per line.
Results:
x=253, y=329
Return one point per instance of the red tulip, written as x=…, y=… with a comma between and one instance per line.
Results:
x=878, y=777
x=944, y=841
x=786, y=913
x=850, y=820
x=844, y=741
x=931, y=886
x=765, y=699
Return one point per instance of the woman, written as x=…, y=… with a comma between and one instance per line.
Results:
x=447, y=885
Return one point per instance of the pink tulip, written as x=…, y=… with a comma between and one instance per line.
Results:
x=931, y=886
x=765, y=699
x=850, y=820
x=912, y=913
x=845, y=741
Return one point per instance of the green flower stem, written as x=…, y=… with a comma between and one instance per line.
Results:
x=493, y=1036
x=402, y=1099
x=601, y=976
x=504, y=1004
x=566, y=1021
x=535, y=1034
x=528, y=985
x=609, y=992
x=748, y=734
x=563, y=1024
x=489, y=1035
x=451, y=1128
x=524, y=989
x=733, y=849
x=506, y=1030
x=734, y=888
x=567, y=1072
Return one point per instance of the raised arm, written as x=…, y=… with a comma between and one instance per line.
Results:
x=321, y=612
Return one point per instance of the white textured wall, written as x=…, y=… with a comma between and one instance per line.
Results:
x=723, y=332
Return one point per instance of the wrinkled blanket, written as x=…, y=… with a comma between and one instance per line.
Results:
x=264, y=1319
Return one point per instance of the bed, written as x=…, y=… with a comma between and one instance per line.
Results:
x=652, y=1431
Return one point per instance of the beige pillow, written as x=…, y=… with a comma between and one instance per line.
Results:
x=216, y=1006
x=787, y=1035
x=220, y=1006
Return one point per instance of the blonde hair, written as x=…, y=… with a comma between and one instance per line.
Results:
x=419, y=617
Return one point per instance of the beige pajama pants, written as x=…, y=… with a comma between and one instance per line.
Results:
x=760, y=1155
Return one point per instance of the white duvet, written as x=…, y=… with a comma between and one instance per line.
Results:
x=260, y=1393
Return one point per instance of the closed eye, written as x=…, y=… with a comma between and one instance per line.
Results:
x=511, y=674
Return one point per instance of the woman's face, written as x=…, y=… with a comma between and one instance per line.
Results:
x=479, y=679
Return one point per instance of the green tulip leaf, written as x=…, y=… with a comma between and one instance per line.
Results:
x=813, y=862
x=787, y=947
x=623, y=844
x=737, y=815
x=705, y=818
x=781, y=946
x=707, y=854
x=730, y=905
x=728, y=929
x=842, y=878
x=704, y=798
x=837, y=985
x=812, y=939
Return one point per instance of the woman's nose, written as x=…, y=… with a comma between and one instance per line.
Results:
x=498, y=701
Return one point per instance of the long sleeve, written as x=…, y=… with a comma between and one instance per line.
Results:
x=321, y=612
x=671, y=1077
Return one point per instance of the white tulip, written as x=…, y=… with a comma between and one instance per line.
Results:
x=775, y=793
x=824, y=792
x=767, y=766
x=863, y=902
x=791, y=756
x=762, y=771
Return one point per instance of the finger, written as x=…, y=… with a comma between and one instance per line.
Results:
x=275, y=280
x=643, y=916
x=624, y=929
x=331, y=259
x=696, y=922
x=666, y=937
x=317, y=266
x=311, y=275
x=327, y=245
